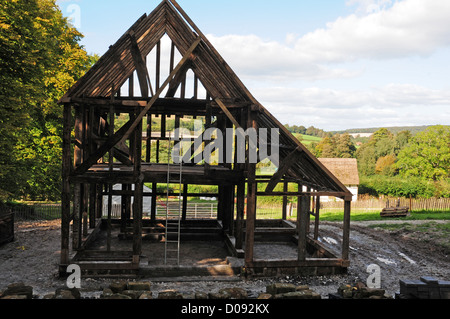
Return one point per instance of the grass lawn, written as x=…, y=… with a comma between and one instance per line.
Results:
x=356, y=215
x=307, y=139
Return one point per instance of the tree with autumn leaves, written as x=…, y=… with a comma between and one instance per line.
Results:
x=40, y=59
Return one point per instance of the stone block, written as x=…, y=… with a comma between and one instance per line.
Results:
x=15, y=297
x=300, y=288
x=118, y=297
x=170, y=294
x=146, y=295
x=235, y=293
x=65, y=293
x=201, y=295
x=143, y=285
x=118, y=286
x=303, y=294
x=219, y=295
x=280, y=288
x=134, y=294
x=19, y=289
x=264, y=296
x=429, y=280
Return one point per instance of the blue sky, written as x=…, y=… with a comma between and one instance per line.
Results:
x=332, y=64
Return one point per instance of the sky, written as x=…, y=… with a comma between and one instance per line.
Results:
x=331, y=64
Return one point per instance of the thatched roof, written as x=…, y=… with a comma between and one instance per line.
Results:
x=345, y=169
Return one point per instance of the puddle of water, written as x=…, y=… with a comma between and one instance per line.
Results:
x=330, y=240
x=386, y=261
x=412, y=262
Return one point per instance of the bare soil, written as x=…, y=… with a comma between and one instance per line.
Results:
x=33, y=257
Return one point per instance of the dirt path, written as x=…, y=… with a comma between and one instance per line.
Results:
x=34, y=255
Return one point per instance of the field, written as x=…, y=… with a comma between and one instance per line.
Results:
x=307, y=139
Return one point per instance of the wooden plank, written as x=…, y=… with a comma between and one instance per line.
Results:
x=282, y=170
x=140, y=65
x=251, y=202
x=124, y=132
x=303, y=207
x=346, y=232
x=66, y=192
x=317, y=218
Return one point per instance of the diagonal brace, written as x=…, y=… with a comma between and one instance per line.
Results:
x=284, y=167
x=124, y=132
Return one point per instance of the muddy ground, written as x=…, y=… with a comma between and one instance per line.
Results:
x=33, y=259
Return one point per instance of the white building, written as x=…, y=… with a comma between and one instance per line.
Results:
x=346, y=170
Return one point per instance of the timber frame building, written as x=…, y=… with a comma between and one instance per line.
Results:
x=109, y=139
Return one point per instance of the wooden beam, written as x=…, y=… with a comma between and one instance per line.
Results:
x=66, y=193
x=302, y=224
x=227, y=113
x=140, y=65
x=124, y=132
x=284, y=167
x=177, y=80
x=317, y=218
x=346, y=234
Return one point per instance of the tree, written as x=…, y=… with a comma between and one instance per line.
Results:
x=337, y=146
x=381, y=145
x=344, y=147
x=40, y=58
x=385, y=165
x=427, y=155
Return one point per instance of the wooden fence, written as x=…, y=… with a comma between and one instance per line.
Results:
x=209, y=210
x=414, y=204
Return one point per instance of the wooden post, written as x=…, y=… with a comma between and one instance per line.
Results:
x=92, y=204
x=251, y=216
x=185, y=201
x=317, y=218
x=240, y=206
x=108, y=233
x=138, y=195
x=99, y=209
x=76, y=239
x=285, y=189
x=66, y=194
x=302, y=223
x=346, y=234
x=77, y=160
x=123, y=210
x=154, y=203
x=251, y=200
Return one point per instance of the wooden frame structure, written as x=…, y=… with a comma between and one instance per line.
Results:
x=99, y=151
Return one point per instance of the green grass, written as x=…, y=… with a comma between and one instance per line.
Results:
x=307, y=139
x=375, y=215
x=356, y=215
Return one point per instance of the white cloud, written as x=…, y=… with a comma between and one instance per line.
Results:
x=330, y=109
x=407, y=28
x=385, y=30
x=253, y=57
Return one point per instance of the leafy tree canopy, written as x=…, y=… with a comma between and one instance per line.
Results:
x=40, y=58
x=427, y=155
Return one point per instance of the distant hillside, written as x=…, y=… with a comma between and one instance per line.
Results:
x=394, y=129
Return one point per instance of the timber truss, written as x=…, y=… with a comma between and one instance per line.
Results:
x=110, y=138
